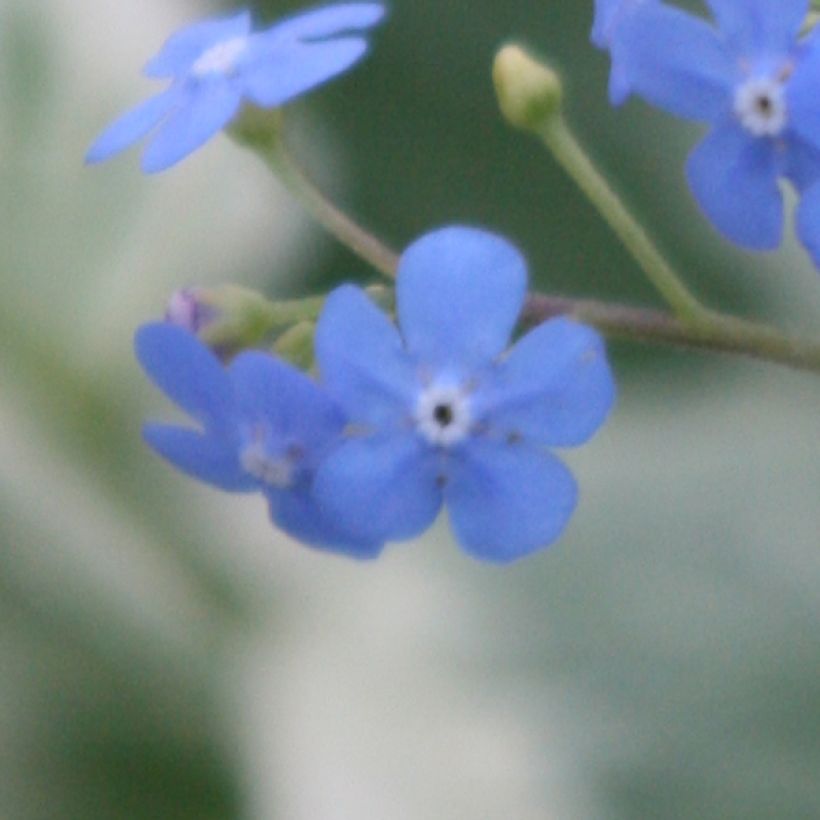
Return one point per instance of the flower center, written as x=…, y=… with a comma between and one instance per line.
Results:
x=275, y=471
x=442, y=415
x=221, y=58
x=760, y=105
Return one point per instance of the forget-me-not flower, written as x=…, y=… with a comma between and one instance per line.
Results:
x=609, y=14
x=216, y=64
x=439, y=412
x=265, y=426
x=738, y=77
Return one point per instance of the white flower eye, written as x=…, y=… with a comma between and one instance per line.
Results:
x=442, y=414
x=276, y=472
x=760, y=105
x=221, y=58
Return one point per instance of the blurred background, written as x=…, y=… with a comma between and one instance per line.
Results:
x=164, y=653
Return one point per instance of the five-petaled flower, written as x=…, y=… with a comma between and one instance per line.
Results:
x=265, y=427
x=216, y=64
x=750, y=80
x=441, y=413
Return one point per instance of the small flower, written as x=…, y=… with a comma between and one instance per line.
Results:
x=439, y=413
x=609, y=14
x=742, y=79
x=216, y=64
x=265, y=427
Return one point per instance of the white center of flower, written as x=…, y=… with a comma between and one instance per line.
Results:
x=277, y=472
x=221, y=58
x=760, y=105
x=442, y=415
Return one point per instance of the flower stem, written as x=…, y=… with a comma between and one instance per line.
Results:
x=559, y=139
x=692, y=325
x=715, y=331
x=263, y=131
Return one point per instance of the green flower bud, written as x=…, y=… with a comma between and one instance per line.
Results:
x=529, y=92
x=227, y=318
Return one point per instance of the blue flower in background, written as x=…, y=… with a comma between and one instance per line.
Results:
x=216, y=64
x=265, y=427
x=609, y=14
x=742, y=78
x=439, y=413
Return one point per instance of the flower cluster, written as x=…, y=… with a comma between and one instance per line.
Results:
x=436, y=410
x=216, y=64
x=753, y=78
x=402, y=420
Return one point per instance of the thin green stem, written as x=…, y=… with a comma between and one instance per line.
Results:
x=692, y=325
x=335, y=221
x=716, y=332
x=566, y=149
x=264, y=132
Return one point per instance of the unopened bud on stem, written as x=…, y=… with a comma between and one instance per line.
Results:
x=529, y=92
x=228, y=318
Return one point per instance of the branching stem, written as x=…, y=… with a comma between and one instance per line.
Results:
x=692, y=325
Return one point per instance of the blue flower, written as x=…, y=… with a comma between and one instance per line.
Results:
x=216, y=64
x=265, y=427
x=440, y=413
x=609, y=14
x=740, y=78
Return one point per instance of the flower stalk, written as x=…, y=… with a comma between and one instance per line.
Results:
x=559, y=139
x=529, y=95
x=263, y=132
x=720, y=334
x=691, y=325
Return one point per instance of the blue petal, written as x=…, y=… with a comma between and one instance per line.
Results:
x=362, y=360
x=209, y=458
x=758, y=28
x=608, y=14
x=676, y=62
x=132, y=126
x=210, y=105
x=610, y=19
x=297, y=513
x=555, y=388
x=620, y=86
x=381, y=488
x=801, y=95
x=458, y=293
x=605, y=11
x=734, y=179
x=505, y=501
x=292, y=404
x=272, y=77
x=800, y=162
x=808, y=222
x=329, y=21
x=182, y=49
x=187, y=372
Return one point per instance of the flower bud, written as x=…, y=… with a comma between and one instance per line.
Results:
x=228, y=318
x=529, y=92
x=188, y=309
